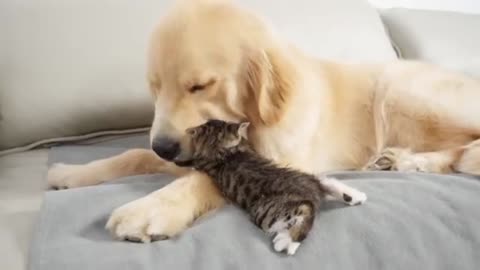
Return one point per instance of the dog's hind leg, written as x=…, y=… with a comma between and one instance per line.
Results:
x=465, y=159
x=469, y=161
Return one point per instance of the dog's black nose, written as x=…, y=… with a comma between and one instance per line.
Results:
x=166, y=148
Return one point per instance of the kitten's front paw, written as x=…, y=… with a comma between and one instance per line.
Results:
x=283, y=242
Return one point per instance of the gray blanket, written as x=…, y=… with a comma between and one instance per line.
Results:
x=410, y=221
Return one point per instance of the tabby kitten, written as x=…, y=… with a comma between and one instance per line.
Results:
x=281, y=201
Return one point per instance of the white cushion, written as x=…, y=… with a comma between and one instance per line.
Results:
x=449, y=39
x=349, y=30
x=74, y=67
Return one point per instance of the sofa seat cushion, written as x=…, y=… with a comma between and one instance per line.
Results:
x=22, y=184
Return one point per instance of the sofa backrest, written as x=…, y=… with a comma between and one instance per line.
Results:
x=448, y=39
x=74, y=67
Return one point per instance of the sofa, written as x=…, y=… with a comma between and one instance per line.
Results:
x=73, y=73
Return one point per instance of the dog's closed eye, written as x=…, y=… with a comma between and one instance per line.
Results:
x=196, y=87
x=201, y=86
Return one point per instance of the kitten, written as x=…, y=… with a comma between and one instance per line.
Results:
x=281, y=201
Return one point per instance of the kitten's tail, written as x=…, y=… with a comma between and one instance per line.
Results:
x=336, y=190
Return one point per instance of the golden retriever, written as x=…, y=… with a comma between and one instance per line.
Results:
x=212, y=60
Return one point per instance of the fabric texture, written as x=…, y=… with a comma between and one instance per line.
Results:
x=410, y=221
x=448, y=39
x=22, y=187
x=74, y=67
x=22, y=184
x=81, y=139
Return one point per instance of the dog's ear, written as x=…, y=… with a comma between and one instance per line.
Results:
x=270, y=78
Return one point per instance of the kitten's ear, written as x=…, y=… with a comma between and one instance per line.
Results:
x=243, y=130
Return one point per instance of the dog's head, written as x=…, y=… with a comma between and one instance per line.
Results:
x=213, y=141
x=211, y=60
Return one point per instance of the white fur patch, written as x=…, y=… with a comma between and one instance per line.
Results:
x=298, y=220
x=283, y=242
x=292, y=248
x=278, y=226
x=338, y=189
x=281, y=225
x=358, y=197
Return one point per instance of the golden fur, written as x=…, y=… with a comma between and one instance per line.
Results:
x=312, y=114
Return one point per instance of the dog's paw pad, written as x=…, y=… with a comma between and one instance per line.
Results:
x=159, y=237
x=133, y=239
x=381, y=163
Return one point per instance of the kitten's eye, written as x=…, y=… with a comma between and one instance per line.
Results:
x=196, y=88
x=191, y=131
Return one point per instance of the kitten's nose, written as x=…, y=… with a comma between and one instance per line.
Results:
x=166, y=148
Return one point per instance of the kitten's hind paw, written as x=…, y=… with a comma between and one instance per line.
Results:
x=292, y=248
x=339, y=191
x=354, y=197
x=283, y=242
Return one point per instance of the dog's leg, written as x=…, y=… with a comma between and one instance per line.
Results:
x=469, y=161
x=403, y=160
x=131, y=162
x=165, y=212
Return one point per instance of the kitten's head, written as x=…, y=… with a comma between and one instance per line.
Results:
x=213, y=140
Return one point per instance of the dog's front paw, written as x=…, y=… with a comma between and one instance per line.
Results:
x=148, y=219
x=63, y=176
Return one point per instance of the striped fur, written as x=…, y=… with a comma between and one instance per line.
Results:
x=280, y=200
